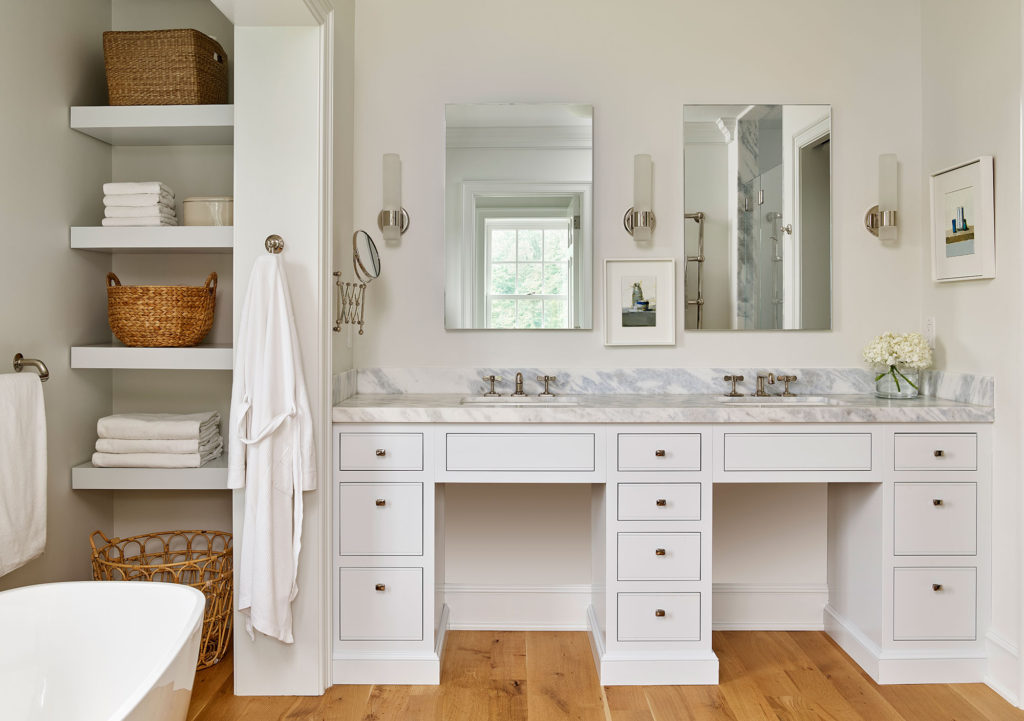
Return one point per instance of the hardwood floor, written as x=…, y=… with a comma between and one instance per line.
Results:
x=547, y=676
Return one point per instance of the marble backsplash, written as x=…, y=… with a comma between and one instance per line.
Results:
x=961, y=387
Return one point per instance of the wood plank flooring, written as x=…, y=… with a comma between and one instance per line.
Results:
x=548, y=676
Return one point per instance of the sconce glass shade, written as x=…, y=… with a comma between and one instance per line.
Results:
x=888, y=201
x=643, y=181
x=392, y=196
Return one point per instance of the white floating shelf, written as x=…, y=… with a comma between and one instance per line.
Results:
x=162, y=239
x=156, y=124
x=115, y=355
x=211, y=477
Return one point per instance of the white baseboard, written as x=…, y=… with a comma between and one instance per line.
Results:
x=1003, y=665
x=518, y=608
x=765, y=607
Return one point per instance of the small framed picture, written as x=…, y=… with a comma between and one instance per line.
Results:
x=639, y=301
x=963, y=230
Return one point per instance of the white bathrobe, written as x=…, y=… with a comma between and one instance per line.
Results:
x=270, y=451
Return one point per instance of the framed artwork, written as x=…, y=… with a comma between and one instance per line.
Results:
x=963, y=229
x=639, y=301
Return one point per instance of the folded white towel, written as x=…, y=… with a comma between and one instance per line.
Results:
x=151, y=186
x=191, y=445
x=144, y=199
x=22, y=470
x=138, y=211
x=155, y=460
x=147, y=426
x=146, y=220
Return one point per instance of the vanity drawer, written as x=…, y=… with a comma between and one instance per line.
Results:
x=659, y=556
x=380, y=451
x=380, y=604
x=526, y=452
x=659, y=616
x=935, y=519
x=797, y=452
x=922, y=612
x=659, y=501
x=380, y=519
x=659, y=452
x=936, y=451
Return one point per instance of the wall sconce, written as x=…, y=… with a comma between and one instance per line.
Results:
x=639, y=220
x=393, y=221
x=880, y=220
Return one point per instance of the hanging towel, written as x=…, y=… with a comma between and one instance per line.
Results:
x=270, y=450
x=147, y=426
x=152, y=186
x=22, y=470
x=165, y=445
x=138, y=199
x=138, y=211
x=145, y=221
x=155, y=460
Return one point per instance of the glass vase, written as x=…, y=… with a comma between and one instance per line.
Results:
x=900, y=383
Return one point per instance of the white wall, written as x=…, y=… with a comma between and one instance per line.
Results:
x=344, y=179
x=971, y=107
x=413, y=57
x=48, y=181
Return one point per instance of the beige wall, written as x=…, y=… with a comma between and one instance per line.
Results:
x=971, y=107
x=51, y=58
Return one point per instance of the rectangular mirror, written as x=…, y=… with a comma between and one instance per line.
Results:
x=758, y=228
x=518, y=220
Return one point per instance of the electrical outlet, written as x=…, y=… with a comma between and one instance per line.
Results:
x=929, y=331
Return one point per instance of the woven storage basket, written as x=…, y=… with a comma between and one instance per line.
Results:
x=200, y=559
x=165, y=67
x=164, y=316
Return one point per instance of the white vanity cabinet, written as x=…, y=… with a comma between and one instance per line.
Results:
x=908, y=548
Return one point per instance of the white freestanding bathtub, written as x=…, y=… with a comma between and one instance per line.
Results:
x=99, y=650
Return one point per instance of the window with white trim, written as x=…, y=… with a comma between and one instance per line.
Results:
x=528, y=272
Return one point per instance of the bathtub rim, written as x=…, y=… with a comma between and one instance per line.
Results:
x=163, y=663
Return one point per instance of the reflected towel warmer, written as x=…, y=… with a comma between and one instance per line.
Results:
x=699, y=260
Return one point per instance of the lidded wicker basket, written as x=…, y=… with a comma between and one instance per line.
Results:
x=163, y=316
x=165, y=67
x=200, y=559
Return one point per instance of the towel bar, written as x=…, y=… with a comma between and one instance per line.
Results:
x=20, y=362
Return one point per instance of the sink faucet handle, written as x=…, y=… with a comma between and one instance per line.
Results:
x=546, y=380
x=491, y=379
x=734, y=379
x=787, y=379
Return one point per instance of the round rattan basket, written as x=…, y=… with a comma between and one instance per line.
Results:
x=160, y=316
x=200, y=559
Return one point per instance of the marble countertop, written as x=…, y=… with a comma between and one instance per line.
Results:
x=655, y=408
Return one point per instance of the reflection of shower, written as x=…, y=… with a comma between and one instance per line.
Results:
x=699, y=260
x=777, y=229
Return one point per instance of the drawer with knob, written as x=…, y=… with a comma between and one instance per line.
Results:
x=935, y=451
x=935, y=604
x=380, y=451
x=659, y=501
x=659, y=556
x=380, y=519
x=380, y=604
x=935, y=519
x=659, y=452
x=659, y=616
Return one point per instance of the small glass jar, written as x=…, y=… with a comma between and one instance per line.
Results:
x=899, y=383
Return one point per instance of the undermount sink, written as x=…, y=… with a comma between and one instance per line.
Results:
x=779, y=400
x=532, y=401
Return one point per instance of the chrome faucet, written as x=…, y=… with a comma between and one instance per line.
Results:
x=761, y=378
x=519, y=386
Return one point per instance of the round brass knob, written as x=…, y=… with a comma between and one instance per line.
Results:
x=380, y=587
x=659, y=453
x=380, y=502
x=381, y=453
x=936, y=586
x=939, y=454
x=660, y=612
x=936, y=501
x=659, y=551
x=661, y=502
